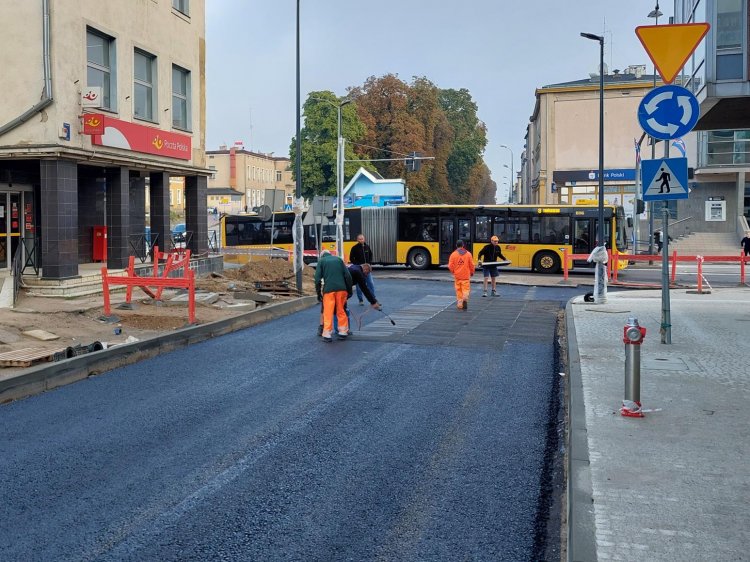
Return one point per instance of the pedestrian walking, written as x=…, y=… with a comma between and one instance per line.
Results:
x=333, y=285
x=461, y=265
x=745, y=243
x=490, y=253
x=659, y=239
x=361, y=253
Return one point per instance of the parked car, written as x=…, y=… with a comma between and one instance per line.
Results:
x=178, y=232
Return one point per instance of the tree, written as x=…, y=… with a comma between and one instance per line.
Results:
x=320, y=143
x=469, y=141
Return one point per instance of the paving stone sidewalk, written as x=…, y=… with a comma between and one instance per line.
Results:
x=675, y=485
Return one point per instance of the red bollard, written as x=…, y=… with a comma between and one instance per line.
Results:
x=742, y=267
x=632, y=335
x=674, y=266
x=565, y=264
x=699, y=259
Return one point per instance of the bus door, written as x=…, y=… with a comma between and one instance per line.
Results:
x=453, y=229
x=584, y=236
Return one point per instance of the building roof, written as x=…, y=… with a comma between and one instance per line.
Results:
x=223, y=191
x=268, y=156
x=609, y=80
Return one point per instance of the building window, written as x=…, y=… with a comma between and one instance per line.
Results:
x=180, y=98
x=278, y=175
x=729, y=40
x=182, y=6
x=100, y=59
x=213, y=172
x=144, y=78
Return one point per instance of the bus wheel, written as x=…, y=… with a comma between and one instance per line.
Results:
x=419, y=258
x=547, y=262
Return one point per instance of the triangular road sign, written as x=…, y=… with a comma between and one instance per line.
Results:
x=670, y=46
x=664, y=179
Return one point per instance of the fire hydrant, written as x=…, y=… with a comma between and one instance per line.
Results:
x=632, y=335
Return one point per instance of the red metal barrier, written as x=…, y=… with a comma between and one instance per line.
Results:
x=175, y=260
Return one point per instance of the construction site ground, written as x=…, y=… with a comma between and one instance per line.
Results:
x=81, y=321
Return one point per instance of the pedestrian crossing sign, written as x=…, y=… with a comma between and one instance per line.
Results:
x=664, y=179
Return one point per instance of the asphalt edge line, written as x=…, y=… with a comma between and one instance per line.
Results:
x=581, y=536
x=48, y=376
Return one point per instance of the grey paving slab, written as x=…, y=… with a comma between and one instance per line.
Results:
x=675, y=484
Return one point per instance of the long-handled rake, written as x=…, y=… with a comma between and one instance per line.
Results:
x=389, y=318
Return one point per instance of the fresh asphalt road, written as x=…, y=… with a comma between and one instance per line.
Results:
x=267, y=444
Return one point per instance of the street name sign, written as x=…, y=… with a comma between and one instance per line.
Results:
x=670, y=46
x=668, y=112
x=665, y=179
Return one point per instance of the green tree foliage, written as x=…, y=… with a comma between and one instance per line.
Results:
x=320, y=143
x=389, y=120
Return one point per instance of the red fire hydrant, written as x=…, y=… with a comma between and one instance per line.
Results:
x=633, y=335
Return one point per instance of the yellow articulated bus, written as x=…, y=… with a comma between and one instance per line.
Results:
x=422, y=236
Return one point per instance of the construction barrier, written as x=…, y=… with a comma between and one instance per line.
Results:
x=174, y=261
x=674, y=258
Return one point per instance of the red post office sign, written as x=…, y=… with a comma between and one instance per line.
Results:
x=149, y=140
x=93, y=124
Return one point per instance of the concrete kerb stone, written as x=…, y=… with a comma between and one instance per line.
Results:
x=41, y=378
x=581, y=529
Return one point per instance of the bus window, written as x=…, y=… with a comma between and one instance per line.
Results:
x=429, y=229
x=517, y=229
x=548, y=229
x=482, y=229
x=464, y=230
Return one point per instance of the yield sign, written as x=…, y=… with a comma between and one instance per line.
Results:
x=670, y=46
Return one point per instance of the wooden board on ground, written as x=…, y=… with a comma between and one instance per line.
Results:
x=498, y=263
x=27, y=357
x=42, y=335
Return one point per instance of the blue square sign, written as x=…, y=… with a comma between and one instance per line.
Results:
x=664, y=179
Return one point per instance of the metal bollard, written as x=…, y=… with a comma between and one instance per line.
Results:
x=632, y=335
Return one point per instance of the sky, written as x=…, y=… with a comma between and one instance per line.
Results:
x=499, y=50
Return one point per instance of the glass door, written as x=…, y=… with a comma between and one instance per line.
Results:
x=4, y=223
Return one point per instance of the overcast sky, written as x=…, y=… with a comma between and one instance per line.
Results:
x=500, y=50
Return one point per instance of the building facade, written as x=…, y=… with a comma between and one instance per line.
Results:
x=104, y=96
x=259, y=178
x=560, y=162
x=718, y=73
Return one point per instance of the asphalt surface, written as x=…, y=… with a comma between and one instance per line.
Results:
x=267, y=444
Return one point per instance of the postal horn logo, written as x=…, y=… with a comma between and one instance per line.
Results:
x=157, y=142
x=93, y=122
x=91, y=96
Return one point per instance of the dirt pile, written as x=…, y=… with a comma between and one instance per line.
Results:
x=277, y=272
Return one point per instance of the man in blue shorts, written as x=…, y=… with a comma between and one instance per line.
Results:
x=491, y=253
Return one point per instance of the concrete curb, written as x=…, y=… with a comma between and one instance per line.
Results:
x=581, y=539
x=41, y=378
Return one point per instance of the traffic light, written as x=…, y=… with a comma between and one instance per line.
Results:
x=640, y=207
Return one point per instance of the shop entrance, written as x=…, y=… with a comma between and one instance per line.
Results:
x=16, y=220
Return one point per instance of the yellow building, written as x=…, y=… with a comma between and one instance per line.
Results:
x=254, y=175
x=561, y=161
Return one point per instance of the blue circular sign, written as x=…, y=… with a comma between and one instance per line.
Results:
x=668, y=112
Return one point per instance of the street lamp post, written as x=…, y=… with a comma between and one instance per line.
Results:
x=339, y=176
x=601, y=279
x=298, y=232
x=512, y=175
x=340, y=185
x=655, y=13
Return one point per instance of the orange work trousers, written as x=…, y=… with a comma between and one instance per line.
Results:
x=335, y=300
x=463, y=288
